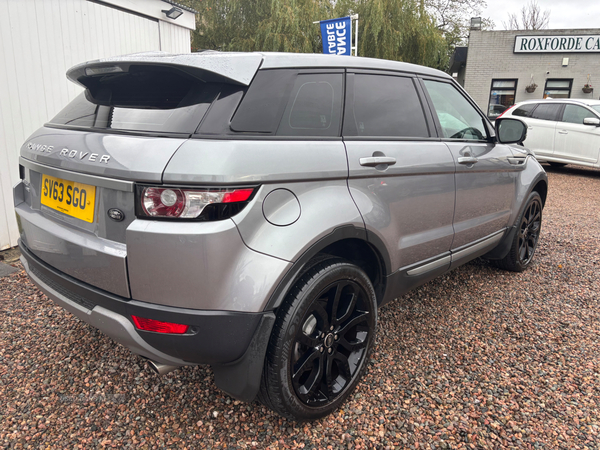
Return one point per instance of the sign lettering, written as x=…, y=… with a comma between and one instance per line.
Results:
x=556, y=44
x=336, y=35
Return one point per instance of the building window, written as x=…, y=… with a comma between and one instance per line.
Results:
x=502, y=97
x=558, y=88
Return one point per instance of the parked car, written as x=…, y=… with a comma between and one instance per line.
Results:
x=252, y=211
x=561, y=131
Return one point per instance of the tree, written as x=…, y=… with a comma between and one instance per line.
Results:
x=532, y=18
x=399, y=30
x=392, y=29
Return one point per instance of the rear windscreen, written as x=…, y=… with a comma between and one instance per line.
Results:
x=147, y=99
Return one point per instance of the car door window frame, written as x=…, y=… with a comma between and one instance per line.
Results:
x=558, y=114
x=589, y=111
x=491, y=135
x=349, y=102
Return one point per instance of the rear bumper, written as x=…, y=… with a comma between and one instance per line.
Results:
x=216, y=337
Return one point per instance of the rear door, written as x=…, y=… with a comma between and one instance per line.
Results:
x=401, y=178
x=541, y=126
x=574, y=140
x=485, y=176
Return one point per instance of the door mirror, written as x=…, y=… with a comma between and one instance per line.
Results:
x=591, y=121
x=510, y=131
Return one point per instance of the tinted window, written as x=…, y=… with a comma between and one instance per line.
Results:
x=314, y=106
x=596, y=108
x=383, y=106
x=263, y=104
x=524, y=110
x=152, y=100
x=286, y=103
x=458, y=118
x=576, y=114
x=546, y=112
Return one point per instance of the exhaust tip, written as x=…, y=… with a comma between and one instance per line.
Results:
x=161, y=369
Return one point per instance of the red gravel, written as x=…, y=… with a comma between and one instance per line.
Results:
x=479, y=358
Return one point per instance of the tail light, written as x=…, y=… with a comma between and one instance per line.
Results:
x=195, y=204
x=505, y=111
x=158, y=326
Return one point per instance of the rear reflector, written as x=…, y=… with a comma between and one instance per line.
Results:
x=159, y=326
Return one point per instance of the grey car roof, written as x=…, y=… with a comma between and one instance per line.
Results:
x=241, y=67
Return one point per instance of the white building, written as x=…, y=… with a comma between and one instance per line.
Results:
x=41, y=39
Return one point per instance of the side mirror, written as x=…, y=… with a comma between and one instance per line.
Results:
x=591, y=121
x=510, y=131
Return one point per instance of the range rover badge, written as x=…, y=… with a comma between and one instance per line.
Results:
x=116, y=214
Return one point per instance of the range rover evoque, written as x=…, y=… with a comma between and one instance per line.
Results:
x=251, y=211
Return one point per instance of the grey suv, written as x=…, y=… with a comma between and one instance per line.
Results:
x=252, y=211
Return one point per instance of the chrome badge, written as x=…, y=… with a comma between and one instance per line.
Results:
x=116, y=214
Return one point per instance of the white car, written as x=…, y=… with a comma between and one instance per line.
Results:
x=561, y=131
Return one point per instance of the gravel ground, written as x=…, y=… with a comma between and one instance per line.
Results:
x=479, y=358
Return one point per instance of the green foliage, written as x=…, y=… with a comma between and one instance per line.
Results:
x=396, y=30
x=390, y=29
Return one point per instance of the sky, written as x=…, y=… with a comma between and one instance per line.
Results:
x=564, y=14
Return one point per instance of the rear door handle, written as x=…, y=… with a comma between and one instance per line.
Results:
x=467, y=160
x=374, y=161
x=563, y=132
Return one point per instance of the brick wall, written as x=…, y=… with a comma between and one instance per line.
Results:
x=490, y=56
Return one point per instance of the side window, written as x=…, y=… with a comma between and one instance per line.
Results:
x=285, y=103
x=547, y=111
x=524, y=110
x=314, y=107
x=383, y=105
x=576, y=114
x=262, y=106
x=458, y=118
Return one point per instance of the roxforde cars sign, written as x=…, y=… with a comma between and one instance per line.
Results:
x=557, y=44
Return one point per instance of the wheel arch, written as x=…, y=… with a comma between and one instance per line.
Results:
x=349, y=242
x=539, y=185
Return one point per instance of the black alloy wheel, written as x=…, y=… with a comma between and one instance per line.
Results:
x=529, y=231
x=320, y=344
x=331, y=343
x=527, y=235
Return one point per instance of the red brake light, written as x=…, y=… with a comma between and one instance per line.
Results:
x=159, y=326
x=188, y=203
x=505, y=111
x=239, y=195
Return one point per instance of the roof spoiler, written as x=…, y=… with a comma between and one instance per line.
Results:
x=207, y=66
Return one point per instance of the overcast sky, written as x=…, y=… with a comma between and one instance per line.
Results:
x=563, y=13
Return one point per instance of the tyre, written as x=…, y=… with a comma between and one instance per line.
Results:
x=526, y=238
x=321, y=341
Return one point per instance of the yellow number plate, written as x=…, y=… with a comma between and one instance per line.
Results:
x=74, y=199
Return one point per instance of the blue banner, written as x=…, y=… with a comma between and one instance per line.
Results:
x=337, y=36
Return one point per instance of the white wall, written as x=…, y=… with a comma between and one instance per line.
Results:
x=39, y=41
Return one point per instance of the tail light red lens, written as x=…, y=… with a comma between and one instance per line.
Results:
x=178, y=203
x=159, y=326
x=505, y=111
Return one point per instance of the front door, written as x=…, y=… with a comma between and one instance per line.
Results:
x=574, y=140
x=485, y=177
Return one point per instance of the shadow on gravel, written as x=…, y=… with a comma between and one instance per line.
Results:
x=579, y=171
